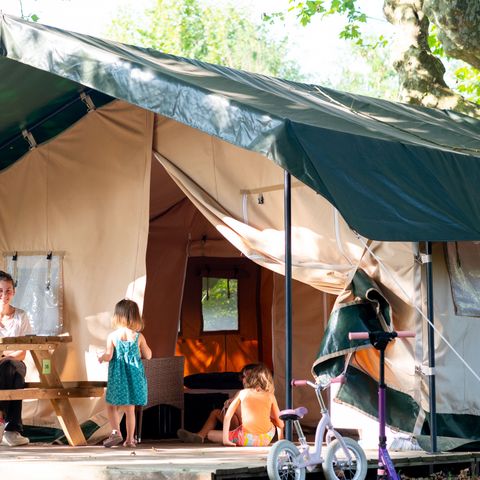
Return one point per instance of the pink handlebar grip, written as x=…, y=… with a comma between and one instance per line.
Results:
x=299, y=383
x=358, y=336
x=406, y=334
x=365, y=335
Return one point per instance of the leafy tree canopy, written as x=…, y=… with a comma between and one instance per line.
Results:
x=426, y=49
x=223, y=36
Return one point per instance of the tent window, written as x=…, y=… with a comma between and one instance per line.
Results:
x=38, y=289
x=463, y=262
x=219, y=304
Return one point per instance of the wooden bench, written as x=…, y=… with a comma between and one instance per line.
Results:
x=50, y=386
x=36, y=391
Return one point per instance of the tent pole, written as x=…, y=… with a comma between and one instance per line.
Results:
x=288, y=297
x=431, y=352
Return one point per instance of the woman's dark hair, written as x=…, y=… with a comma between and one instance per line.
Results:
x=6, y=277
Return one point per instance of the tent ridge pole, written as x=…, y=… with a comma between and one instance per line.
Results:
x=431, y=351
x=288, y=297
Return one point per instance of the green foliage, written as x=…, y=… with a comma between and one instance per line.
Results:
x=367, y=71
x=466, y=79
x=306, y=10
x=468, y=82
x=32, y=17
x=434, y=43
x=354, y=17
x=219, y=304
x=212, y=34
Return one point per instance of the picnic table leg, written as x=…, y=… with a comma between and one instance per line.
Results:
x=62, y=406
x=70, y=426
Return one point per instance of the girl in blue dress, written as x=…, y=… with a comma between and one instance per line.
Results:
x=126, y=385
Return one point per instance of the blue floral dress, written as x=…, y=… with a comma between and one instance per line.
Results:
x=127, y=384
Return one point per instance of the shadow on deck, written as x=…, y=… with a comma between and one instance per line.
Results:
x=169, y=460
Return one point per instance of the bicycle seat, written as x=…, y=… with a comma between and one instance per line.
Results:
x=293, y=414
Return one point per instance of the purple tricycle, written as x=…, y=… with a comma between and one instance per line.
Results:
x=380, y=340
x=341, y=458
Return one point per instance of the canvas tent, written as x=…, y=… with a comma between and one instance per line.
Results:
x=116, y=155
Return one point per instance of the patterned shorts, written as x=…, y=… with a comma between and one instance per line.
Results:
x=245, y=439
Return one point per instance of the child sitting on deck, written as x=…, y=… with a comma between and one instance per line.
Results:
x=260, y=412
x=217, y=415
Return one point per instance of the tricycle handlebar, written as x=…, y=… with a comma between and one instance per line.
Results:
x=366, y=335
x=299, y=383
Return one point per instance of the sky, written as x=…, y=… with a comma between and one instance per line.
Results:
x=316, y=48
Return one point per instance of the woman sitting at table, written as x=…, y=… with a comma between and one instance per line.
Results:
x=13, y=323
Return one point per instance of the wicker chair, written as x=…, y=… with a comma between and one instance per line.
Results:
x=165, y=386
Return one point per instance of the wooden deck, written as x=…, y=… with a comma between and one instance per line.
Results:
x=169, y=460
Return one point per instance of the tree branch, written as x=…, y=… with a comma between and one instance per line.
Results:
x=421, y=73
x=458, y=27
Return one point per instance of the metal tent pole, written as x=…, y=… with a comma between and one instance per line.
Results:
x=288, y=297
x=431, y=352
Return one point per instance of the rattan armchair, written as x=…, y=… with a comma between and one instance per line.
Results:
x=165, y=386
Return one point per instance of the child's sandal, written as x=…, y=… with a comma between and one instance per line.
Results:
x=129, y=444
x=114, y=439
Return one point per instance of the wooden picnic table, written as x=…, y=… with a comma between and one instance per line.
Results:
x=50, y=386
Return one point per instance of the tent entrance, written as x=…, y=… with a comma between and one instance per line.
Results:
x=185, y=250
x=223, y=325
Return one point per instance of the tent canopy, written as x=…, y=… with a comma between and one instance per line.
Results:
x=395, y=172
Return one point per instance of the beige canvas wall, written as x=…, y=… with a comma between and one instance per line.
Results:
x=458, y=390
x=85, y=193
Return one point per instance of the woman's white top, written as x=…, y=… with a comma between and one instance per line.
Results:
x=16, y=326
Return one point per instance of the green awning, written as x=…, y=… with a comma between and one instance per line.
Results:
x=394, y=171
x=39, y=102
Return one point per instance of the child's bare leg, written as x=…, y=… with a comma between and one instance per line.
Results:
x=113, y=417
x=130, y=423
x=211, y=422
x=215, y=436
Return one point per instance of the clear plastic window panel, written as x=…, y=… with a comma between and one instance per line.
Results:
x=463, y=262
x=39, y=290
x=219, y=304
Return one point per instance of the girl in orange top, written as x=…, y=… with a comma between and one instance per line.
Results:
x=260, y=412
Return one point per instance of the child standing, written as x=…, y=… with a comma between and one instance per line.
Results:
x=126, y=385
x=260, y=412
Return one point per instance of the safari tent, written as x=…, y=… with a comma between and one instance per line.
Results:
x=146, y=174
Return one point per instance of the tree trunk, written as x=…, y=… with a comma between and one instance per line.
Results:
x=420, y=72
x=458, y=23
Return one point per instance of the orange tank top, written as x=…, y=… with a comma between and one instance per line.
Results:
x=256, y=408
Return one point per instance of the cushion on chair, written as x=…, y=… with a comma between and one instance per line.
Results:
x=214, y=381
